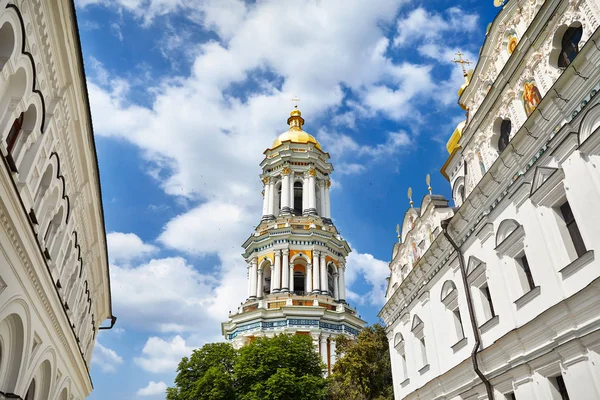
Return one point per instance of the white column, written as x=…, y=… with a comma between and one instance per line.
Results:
x=292, y=288
x=324, y=350
x=285, y=271
x=312, y=198
x=328, y=200
x=316, y=273
x=309, y=278
x=305, y=194
x=342, y=281
x=332, y=355
x=253, y=278
x=323, y=204
x=277, y=286
x=285, y=191
x=272, y=288
x=324, y=275
x=249, y=279
x=292, y=205
x=265, y=198
x=259, y=284
x=271, y=200
x=336, y=287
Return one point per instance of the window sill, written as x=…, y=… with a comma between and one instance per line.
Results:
x=405, y=382
x=459, y=345
x=489, y=324
x=576, y=265
x=527, y=297
x=424, y=369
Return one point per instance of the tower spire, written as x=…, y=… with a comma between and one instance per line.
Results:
x=295, y=121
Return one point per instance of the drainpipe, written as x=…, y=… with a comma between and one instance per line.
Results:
x=463, y=272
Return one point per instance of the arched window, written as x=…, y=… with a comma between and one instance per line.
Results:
x=450, y=299
x=14, y=132
x=297, y=198
x=504, y=138
x=401, y=349
x=330, y=280
x=569, y=46
x=31, y=391
x=299, y=283
x=419, y=333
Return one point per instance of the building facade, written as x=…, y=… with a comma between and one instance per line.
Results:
x=54, y=282
x=296, y=257
x=498, y=296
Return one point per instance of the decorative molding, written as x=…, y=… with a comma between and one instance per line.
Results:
x=577, y=264
x=547, y=187
x=527, y=297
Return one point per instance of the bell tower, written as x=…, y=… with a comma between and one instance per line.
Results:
x=296, y=258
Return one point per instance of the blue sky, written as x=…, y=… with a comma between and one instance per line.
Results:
x=185, y=97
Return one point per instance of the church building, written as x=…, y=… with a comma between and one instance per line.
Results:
x=495, y=293
x=296, y=257
x=54, y=278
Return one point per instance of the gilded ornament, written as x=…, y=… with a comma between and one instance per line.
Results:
x=312, y=172
x=328, y=184
x=286, y=170
x=265, y=180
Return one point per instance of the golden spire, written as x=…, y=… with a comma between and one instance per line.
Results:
x=410, y=196
x=428, y=181
x=295, y=121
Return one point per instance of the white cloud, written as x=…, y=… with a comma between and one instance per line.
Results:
x=422, y=25
x=106, y=359
x=159, y=355
x=153, y=389
x=126, y=247
x=366, y=269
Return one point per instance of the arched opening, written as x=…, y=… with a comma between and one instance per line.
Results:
x=14, y=132
x=266, y=279
x=299, y=283
x=504, y=134
x=53, y=232
x=7, y=43
x=21, y=148
x=569, y=46
x=63, y=395
x=277, y=199
x=43, y=186
x=31, y=391
x=12, y=335
x=330, y=280
x=10, y=93
x=298, y=198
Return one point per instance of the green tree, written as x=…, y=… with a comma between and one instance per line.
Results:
x=206, y=375
x=285, y=367
x=363, y=369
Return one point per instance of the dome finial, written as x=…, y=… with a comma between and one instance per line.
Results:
x=295, y=121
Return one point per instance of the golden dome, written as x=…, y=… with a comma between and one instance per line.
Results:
x=467, y=81
x=453, y=142
x=295, y=134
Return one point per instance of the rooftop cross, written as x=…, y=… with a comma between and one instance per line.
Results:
x=461, y=62
x=296, y=100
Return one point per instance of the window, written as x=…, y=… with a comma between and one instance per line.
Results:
x=450, y=300
x=297, y=198
x=330, y=280
x=14, y=132
x=510, y=396
x=558, y=388
x=569, y=46
x=504, y=138
x=526, y=276
x=299, y=280
x=573, y=229
x=423, y=350
x=418, y=331
x=488, y=305
x=460, y=333
x=399, y=345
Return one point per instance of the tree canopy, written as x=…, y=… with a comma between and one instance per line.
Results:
x=363, y=369
x=284, y=367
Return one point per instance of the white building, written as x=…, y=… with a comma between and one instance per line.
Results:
x=296, y=257
x=499, y=296
x=54, y=282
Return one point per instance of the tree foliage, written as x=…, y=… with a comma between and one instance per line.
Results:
x=363, y=369
x=285, y=367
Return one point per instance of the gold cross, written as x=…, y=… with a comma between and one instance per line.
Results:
x=462, y=62
x=296, y=100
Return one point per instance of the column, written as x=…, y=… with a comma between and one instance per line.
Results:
x=292, y=288
x=272, y=288
x=265, y=197
x=332, y=355
x=259, y=284
x=312, y=198
x=309, y=278
x=323, y=204
x=285, y=271
x=285, y=190
x=249, y=279
x=336, y=287
x=324, y=275
x=252, y=277
x=305, y=194
x=277, y=277
x=328, y=200
x=342, y=282
x=271, y=207
x=292, y=191
x=316, y=273
x=324, y=350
